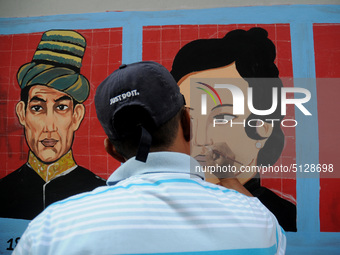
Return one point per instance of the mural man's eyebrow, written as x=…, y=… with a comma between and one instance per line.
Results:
x=221, y=105
x=35, y=98
x=62, y=98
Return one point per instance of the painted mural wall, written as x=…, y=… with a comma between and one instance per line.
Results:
x=306, y=52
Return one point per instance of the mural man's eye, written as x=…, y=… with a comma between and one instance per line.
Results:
x=62, y=107
x=36, y=108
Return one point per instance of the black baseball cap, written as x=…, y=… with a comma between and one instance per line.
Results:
x=145, y=84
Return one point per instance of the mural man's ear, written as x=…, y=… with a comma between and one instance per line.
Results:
x=78, y=115
x=21, y=113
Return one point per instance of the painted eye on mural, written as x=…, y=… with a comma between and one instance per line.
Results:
x=36, y=108
x=224, y=116
x=62, y=107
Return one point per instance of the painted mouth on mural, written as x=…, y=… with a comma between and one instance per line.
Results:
x=201, y=159
x=49, y=142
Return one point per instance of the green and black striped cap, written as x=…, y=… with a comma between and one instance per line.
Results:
x=56, y=64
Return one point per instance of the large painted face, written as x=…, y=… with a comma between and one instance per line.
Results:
x=222, y=144
x=50, y=120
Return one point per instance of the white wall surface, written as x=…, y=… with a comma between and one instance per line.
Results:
x=33, y=8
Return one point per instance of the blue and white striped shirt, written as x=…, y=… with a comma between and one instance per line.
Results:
x=155, y=207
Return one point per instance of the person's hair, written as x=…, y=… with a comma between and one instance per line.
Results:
x=25, y=92
x=254, y=55
x=128, y=122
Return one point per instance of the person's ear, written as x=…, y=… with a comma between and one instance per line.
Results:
x=185, y=123
x=21, y=113
x=110, y=148
x=78, y=115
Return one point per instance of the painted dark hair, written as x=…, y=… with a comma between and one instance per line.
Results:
x=254, y=55
x=25, y=93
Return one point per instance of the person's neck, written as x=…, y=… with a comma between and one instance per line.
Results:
x=48, y=171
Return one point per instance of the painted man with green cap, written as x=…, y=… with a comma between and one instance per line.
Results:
x=51, y=110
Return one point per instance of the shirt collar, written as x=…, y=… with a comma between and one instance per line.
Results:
x=157, y=162
x=49, y=171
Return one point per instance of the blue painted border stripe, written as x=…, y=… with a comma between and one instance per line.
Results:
x=132, y=44
x=307, y=134
x=229, y=15
x=312, y=244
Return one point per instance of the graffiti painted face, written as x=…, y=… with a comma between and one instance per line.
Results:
x=220, y=144
x=50, y=120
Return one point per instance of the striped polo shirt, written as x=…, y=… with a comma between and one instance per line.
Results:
x=157, y=207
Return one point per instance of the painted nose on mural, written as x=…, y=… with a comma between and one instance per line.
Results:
x=50, y=123
x=201, y=137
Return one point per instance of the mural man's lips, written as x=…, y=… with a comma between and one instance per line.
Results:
x=49, y=142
